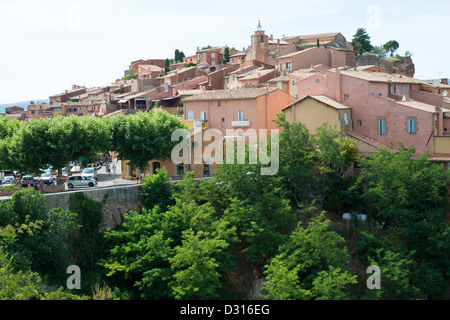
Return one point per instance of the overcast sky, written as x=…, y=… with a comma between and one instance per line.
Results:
x=46, y=46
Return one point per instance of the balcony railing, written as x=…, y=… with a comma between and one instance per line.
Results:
x=240, y=124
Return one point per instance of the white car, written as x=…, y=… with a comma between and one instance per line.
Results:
x=8, y=181
x=80, y=181
x=89, y=173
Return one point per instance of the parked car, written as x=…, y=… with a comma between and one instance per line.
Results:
x=25, y=179
x=8, y=181
x=89, y=173
x=47, y=178
x=8, y=173
x=79, y=181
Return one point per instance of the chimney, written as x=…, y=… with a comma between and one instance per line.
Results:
x=444, y=81
x=271, y=37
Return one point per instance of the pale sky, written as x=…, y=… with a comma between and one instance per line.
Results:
x=46, y=46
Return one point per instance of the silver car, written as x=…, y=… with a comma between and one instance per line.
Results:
x=80, y=181
x=89, y=173
x=47, y=178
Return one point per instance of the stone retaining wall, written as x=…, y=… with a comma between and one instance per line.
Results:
x=120, y=200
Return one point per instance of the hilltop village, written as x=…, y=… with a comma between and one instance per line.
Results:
x=311, y=78
x=357, y=209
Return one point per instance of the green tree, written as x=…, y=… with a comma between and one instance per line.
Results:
x=8, y=127
x=45, y=247
x=153, y=251
x=332, y=284
x=167, y=66
x=129, y=75
x=306, y=253
x=157, y=191
x=379, y=51
x=197, y=273
x=24, y=284
x=408, y=196
x=57, y=141
x=258, y=207
x=391, y=46
x=226, y=55
x=297, y=158
x=143, y=136
x=395, y=272
x=361, y=41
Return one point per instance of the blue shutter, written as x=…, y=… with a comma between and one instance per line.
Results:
x=411, y=125
x=381, y=126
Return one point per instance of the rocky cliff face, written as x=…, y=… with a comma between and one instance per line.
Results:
x=398, y=65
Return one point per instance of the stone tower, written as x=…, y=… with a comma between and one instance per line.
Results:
x=260, y=46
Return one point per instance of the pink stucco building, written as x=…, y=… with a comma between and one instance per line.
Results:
x=312, y=56
x=254, y=108
x=388, y=108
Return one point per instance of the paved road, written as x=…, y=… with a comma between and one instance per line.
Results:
x=109, y=179
x=104, y=180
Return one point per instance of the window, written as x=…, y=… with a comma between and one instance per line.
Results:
x=359, y=123
x=403, y=89
x=213, y=55
x=241, y=116
x=190, y=115
x=346, y=119
x=407, y=89
x=204, y=56
x=382, y=126
x=219, y=104
x=289, y=66
x=412, y=125
x=213, y=63
x=223, y=120
x=280, y=85
x=203, y=115
x=262, y=38
x=232, y=59
x=394, y=89
x=346, y=97
x=293, y=83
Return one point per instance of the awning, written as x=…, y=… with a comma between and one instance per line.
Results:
x=123, y=101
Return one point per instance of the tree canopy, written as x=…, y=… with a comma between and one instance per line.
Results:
x=361, y=41
x=391, y=46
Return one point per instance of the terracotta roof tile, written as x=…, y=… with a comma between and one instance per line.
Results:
x=248, y=93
